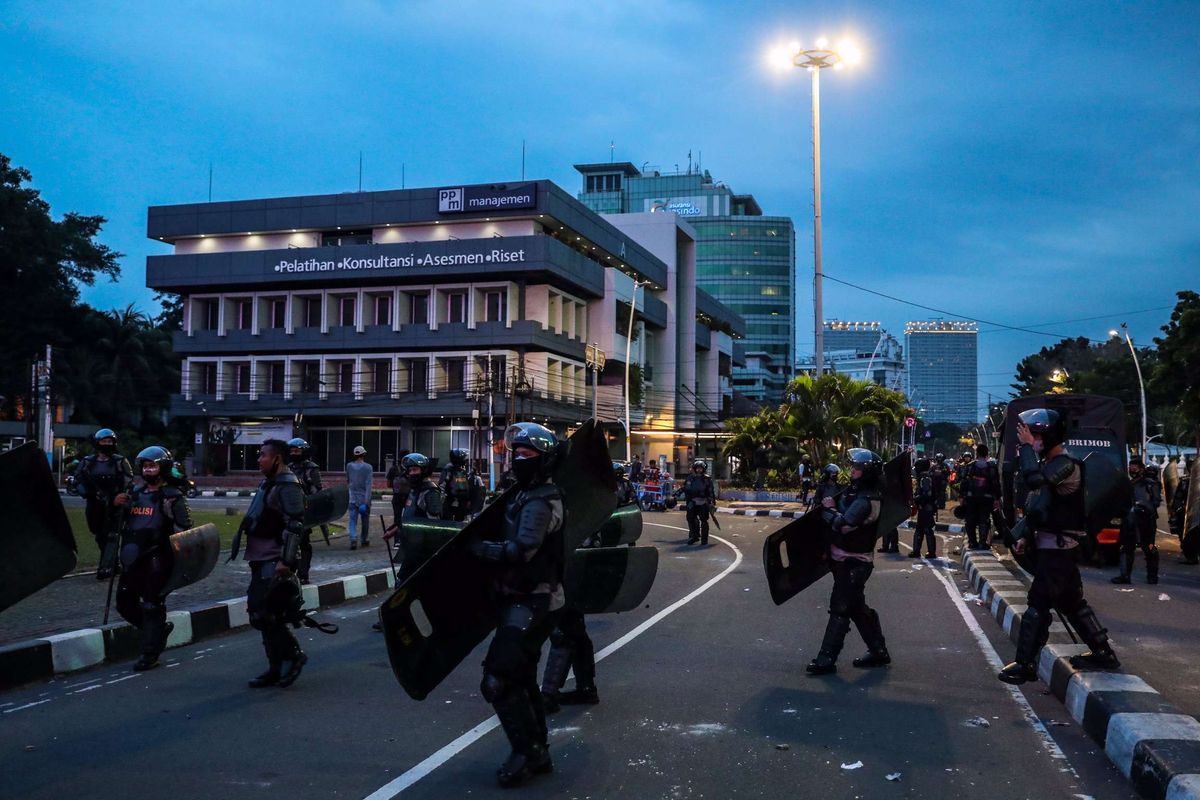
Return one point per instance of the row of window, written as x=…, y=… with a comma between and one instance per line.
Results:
x=376, y=308
x=603, y=183
x=710, y=230
x=727, y=269
x=377, y=376
x=710, y=249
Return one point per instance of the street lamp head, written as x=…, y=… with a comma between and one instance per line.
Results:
x=1113, y=332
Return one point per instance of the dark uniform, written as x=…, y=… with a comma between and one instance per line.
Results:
x=1054, y=522
x=458, y=481
x=700, y=496
x=274, y=529
x=1140, y=525
x=99, y=478
x=626, y=493
x=979, y=485
x=530, y=562
x=153, y=512
x=926, y=502
x=828, y=485
x=852, y=528
x=940, y=475
x=1189, y=540
x=309, y=475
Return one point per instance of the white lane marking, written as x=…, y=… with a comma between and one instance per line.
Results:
x=83, y=683
x=118, y=680
x=415, y=774
x=86, y=689
x=994, y=660
x=27, y=705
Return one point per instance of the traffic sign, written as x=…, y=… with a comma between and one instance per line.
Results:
x=910, y=422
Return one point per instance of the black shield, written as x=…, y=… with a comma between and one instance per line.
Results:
x=610, y=580
x=1107, y=492
x=421, y=538
x=796, y=556
x=447, y=606
x=326, y=505
x=623, y=527
x=1191, y=516
x=36, y=543
x=194, y=553
x=897, y=490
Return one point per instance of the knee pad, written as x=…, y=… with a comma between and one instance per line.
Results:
x=493, y=687
x=560, y=639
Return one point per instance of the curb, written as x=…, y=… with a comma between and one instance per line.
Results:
x=1152, y=742
x=43, y=658
x=779, y=514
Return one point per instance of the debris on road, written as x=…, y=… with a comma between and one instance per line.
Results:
x=783, y=747
x=1124, y=590
x=893, y=776
x=977, y=722
x=855, y=765
x=1164, y=596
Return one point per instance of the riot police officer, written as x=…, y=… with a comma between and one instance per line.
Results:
x=1141, y=521
x=424, y=496
x=528, y=579
x=828, y=485
x=626, y=494
x=979, y=487
x=853, y=519
x=1177, y=521
x=700, y=496
x=309, y=475
x=99, y=478
x=940, y=475
x=274, y=527
x=457, y=481
x=926, y=502
x=1054, y=522
x=154, y=510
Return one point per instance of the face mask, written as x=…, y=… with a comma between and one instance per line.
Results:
x=106, y=449
x=526, y=470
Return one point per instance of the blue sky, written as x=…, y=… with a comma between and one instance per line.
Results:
x=1022, y=162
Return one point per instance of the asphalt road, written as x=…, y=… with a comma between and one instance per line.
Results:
x=703, y=695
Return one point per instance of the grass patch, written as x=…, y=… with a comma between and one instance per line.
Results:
x=89, y=556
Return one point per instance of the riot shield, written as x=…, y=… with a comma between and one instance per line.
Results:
x=1170, y=482
x=897, y=490
x=36, y=543
x=420, y=539
x=453, y=589
x=610, y=580
x=1191, y=516
x=623, y=527
x=1107, y=492
x=326, y=505
x=796, y=556
x=195, y=553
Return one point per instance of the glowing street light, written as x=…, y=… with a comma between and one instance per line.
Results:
x=821, y=56
x=1141, y=386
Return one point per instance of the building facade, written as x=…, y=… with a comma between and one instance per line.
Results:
x=427, y=319
x=943, y=369
x=744, y=260
x=864, y=351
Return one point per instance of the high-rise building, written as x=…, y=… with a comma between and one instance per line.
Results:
x=943, y=370
x=863, y=350
x=745, y=260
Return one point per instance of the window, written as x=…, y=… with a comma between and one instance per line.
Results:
x=418, y=375
x=456, y=307
x=604, y=183
x=343, y=238
x=310, y=376
x=278, y=308
x=381, y=376
x=454, y=367
x=345, y=376
x=383, y=309
x=495, y=306
x=346, y=308
x=242, y=379
x=275, y=377
x=208, y=378
x=310, y=312
x=419, y=311
x=208, y=313
x=245, y=314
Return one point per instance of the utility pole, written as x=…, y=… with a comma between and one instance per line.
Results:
x=491, y=454
x=47, y=408
x=594, y=357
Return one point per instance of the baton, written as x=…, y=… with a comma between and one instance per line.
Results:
x=387, y=541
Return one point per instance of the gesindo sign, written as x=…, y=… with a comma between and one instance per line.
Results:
x=498, y=197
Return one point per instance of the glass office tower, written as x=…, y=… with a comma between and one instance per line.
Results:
x=943, y=365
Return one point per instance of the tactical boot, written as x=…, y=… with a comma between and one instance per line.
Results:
x=1125, y=562
x=1094, y=636
x=558, y=664
x=550, y=702
x=295, y=666
x=529, y=756
x=147, y=661
x=916, y=552
x=1152, y=566
x=872, y=633
x=268, y=678
x=582, y=695
x=1024, y=667
x=835, y=635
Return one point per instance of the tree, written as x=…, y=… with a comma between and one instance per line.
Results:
x=1175, y=382
x=42, y=264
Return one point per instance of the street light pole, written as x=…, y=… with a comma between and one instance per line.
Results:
x=628, y=353
x=818, y=305
x=1141, y=386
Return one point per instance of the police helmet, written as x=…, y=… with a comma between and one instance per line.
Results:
x=415, y=460
x=940, y=457
x=831, y=471
x=618, y=469
x=865, y=460
x=967, y=455
x=921, y=465
x=542, y=441
x=159, y=455
x=702, y=464
x=104, y=433
x=1047, y=423
x=300, y=443
x=458, y=457
x=1152, y=471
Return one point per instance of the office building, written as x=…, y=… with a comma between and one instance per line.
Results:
x=943, y=366
x=744, y=259
x=426, y=319
x=862, y=350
